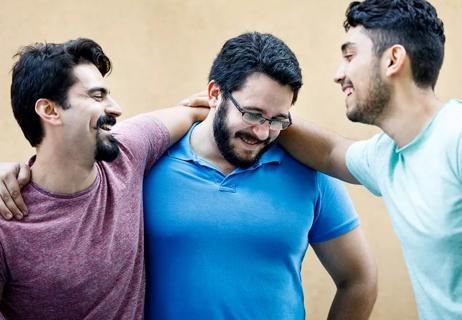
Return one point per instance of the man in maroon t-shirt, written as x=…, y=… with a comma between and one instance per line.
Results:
x=79, y=253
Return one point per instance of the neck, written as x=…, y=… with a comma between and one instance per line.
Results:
x=57, y=170
x=408, y=113
x=203, y=144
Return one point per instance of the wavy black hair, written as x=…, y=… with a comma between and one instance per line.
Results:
x=45, y=71
x=414, y=24
x=255, y=52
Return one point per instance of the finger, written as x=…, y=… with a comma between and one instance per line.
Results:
x=9, y=203
x=199, y=102
x=13, y=188
x=23, y=175
x=4, y=212
x=199, y=99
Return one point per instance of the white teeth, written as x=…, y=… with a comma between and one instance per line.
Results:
x=106, y=127
x=348, y=91
x=249, y=141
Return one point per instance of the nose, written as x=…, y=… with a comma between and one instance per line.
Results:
x=261, y=131
x=340, y=74
x=112, y=108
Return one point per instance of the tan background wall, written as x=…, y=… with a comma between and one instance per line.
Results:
x=162, y=51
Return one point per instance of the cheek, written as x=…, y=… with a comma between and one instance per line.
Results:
x=273, y=135
x=234, y=125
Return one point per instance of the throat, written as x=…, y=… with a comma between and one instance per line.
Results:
x=64, y=179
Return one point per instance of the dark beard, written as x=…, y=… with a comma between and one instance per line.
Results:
x=223, y=140
x=369, y=110
x=107, y=148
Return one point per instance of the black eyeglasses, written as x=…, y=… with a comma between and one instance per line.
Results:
x=255, y=118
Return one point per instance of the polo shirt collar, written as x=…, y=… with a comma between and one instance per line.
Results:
x=182, y=150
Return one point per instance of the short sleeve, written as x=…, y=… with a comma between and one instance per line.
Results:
x=144, y=137
x=3, y=273
x=360, y=161
x=334, y=213
x=459, y=157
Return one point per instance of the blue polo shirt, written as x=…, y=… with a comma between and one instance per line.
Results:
x=231, y=247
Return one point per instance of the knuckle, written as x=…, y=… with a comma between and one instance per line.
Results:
x=5, y=197
x=15, y=194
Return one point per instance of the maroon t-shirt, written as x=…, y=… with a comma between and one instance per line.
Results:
x=81, y=256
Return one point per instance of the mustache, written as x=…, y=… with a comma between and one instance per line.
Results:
x=105, y=119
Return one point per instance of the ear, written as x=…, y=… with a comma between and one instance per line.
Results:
x=395, y=60
x=47, y=110
x=214, y=93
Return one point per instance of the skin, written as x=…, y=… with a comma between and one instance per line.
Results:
x=70, y=134
x=347, y=258
x=403, y=115
x=70, y=139
x=259, y=94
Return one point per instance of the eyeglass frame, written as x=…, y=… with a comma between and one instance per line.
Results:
x=261, y=119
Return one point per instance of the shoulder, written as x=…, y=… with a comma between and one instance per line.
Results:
x=292, y=167
x=142, y=128
x=449, y=117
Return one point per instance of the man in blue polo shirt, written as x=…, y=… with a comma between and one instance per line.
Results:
x=229, y=216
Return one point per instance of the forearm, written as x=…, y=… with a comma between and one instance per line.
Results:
x=317, y=148
x=179, y=119
x=353, y=302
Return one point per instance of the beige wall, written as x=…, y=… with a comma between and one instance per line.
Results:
x=162, y=51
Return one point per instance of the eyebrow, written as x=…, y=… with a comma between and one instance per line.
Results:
x=103, y=90
x=347, y=45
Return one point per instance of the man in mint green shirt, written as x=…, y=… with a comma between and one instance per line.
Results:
x=391, y=60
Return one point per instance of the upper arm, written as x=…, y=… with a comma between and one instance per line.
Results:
x=318, y=148
x=179, y=119
x=337, y=161
x=142, y=140
x=347, y=258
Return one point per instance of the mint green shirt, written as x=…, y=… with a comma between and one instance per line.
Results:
x=421, y=184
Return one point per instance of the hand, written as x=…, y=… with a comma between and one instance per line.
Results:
x=200, y=99
x=13, y=176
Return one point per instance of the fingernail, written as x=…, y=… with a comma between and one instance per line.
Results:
x=18, y=217
x=9, y=216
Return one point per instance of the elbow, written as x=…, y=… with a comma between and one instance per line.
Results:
x=363, y=288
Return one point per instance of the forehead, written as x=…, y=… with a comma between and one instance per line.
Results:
x=87, y=76
x=259, y=91
x=357, y=37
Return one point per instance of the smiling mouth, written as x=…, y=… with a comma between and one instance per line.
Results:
x=105, y=122
x=348, y=91
x=249, y=139
x=106, y=127
x=252, y=142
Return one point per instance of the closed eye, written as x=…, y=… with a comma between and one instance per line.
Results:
x=348, y=57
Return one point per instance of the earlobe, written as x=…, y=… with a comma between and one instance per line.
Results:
x=396, y=57
x=47, y=111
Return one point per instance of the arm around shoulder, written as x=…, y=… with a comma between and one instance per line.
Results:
x=13, y=176
x=318, y=148
x=179, y=119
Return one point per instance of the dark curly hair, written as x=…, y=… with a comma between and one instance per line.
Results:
x=255, y=52
x=414, y=24
x=45, y=70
